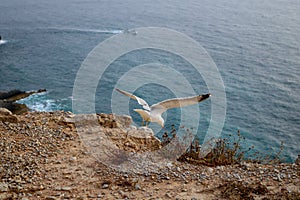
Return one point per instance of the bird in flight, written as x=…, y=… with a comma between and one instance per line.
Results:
x=153, y=113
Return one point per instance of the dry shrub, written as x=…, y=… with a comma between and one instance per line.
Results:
x=226, y=151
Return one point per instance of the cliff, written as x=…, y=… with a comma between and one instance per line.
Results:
x=43, y=156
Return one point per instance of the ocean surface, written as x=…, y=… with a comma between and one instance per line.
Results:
x=255, y=45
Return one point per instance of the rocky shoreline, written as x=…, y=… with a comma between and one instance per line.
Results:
x=43, y=157
x=8, y=100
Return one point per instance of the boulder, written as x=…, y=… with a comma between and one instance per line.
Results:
x=14, y=95
x=4, y=111
x=114, y=121
x=142, y=139
x=115, y=128
x=8, y=100
x=7, y=116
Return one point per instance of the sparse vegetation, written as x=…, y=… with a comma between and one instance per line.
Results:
x=63, y=166
x=225, y=151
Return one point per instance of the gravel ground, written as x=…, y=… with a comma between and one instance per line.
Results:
x=42, y=157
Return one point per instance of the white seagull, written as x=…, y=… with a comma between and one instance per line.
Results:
x=153, y=113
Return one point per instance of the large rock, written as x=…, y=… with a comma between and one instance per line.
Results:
x=142, y=138
x=7, y=116
x=4, y=111
x=116, y=128
x=14, y=107
x=133, y=139
x=10, y=94
x=7, y=100
x=14, y=95
x=114, y=121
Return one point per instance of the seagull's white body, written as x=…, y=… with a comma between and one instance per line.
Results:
x=153, y=113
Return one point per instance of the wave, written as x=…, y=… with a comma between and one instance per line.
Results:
x=42, y=102
x=106, y=31
x=3, y=41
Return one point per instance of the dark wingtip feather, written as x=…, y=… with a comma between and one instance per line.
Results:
x=204, y=96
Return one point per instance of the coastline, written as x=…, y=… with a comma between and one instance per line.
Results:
x=8, y=100
x=42, y=156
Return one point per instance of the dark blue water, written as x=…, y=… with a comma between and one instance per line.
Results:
x=255, y=44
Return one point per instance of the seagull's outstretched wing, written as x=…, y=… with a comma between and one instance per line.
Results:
x=178, y=102
x=138, y=99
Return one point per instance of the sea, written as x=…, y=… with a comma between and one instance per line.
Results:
x=254, y=44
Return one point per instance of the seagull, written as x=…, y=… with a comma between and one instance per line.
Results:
x=153, y=113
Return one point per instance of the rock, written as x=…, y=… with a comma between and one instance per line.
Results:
x=137, y=187
x=3, y=187
x=279, y=178
x=169, y=165
x=51, y=198
x=66, y=188
x=7, y=100
x=124, y=120
x=5, y=112
x=143, y=138
x=7, y=116
x=15, y=95
x=73, y=159
x=114, y=121
x=14, y=107
x=123, y=194
x=105, y=186
x=210, y=170
x=168, y=195
x=10, y=94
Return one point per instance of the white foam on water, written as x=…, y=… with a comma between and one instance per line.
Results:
x=3, y=41
x=40, y=102
x=113, y=31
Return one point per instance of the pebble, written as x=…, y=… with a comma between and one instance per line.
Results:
x=45, y=143
x=137, y=187
x=73, y=159
x=51, y=198
x=210, y=170
x=3, y=187
x=168, y=195
x=122, y=193
x=237, y=176
x=169, y=165
x=278, y=178
x=66, y=188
